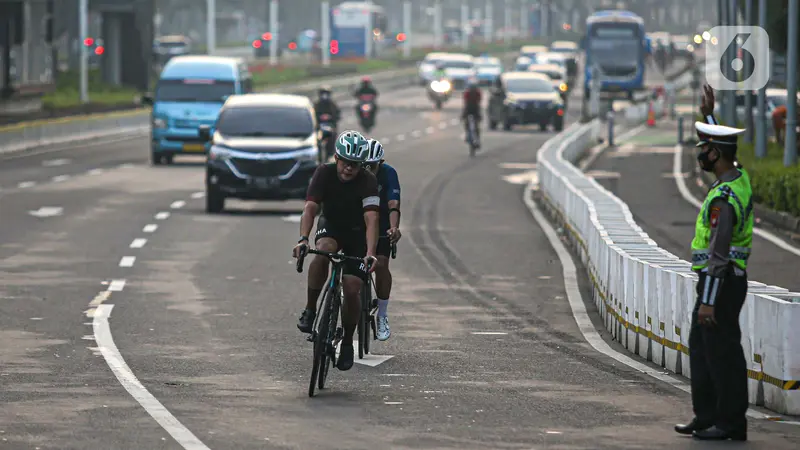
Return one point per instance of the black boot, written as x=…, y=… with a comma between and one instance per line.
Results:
x=691, y=427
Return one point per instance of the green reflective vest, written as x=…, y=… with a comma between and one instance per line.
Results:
x=739, y=194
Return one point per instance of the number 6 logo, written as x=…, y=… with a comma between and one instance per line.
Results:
x=737, y=57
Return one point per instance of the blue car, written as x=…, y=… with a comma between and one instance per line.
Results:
x=190, y=92
x=488, y=69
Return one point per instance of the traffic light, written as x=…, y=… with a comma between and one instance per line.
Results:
x=292, y=46
x=334, y=47
x=267, y=36
x=88, y=42
x=257, y=43
x=401, y=37
x=99, y=50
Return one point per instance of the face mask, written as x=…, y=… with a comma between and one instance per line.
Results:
x=705, y=162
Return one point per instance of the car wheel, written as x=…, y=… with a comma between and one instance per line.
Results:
x=507, y=125
x=543, y=126
x=492, y=124
x=155, y=158
x=215, y=201
x=169, y=159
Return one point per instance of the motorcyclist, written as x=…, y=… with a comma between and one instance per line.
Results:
x=472, y=105
x=326, y=105
x=439, y=72
x=367, y=88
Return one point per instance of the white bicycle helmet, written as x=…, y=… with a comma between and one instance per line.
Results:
x=375, y=151
x=352, y=146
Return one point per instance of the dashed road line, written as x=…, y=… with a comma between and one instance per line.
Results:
x=177, y=204
x=197, y=195
x=416, y=133
x=26, y=184
x=162, y=215
x=110, y=352
x=454, y=121
x=430, y=130
x=60, y=178
x=442, y=125
x=138, y=243
x=150, y=228
x=401, y=137
x=95, y=171
x=116, y=285
x=127, y=261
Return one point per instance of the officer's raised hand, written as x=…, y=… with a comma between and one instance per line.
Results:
x=707, y=102
x=705, y=315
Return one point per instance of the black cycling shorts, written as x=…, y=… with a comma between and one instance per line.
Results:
x=351, y=242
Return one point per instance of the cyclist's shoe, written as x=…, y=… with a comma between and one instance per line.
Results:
x=306, y=322
x=345, y=361
x=383, y=328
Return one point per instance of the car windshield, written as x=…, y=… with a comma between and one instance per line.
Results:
x=615, y=45
x=266, y=121
x=458, y=64
x=194, y=91
x=528, y=85
x=488, y=66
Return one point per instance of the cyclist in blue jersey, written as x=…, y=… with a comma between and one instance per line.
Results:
x=389, y=192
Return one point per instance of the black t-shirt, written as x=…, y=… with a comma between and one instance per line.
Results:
x=344, y=203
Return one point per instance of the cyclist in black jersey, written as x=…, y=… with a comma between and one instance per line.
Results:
x=350, y=204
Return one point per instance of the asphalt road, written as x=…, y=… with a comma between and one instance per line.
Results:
x=484, y=352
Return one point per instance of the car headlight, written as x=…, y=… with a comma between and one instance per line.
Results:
x=159, y=123
x=562, y=87
x=219, y=153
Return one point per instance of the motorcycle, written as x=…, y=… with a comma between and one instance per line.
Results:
x=473, y=139
x=439, y=92
x=366, y=112
x=327, y=138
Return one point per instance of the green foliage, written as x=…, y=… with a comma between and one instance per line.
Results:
x=774, y=186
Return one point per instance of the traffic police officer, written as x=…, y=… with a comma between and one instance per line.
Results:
x=720, y=249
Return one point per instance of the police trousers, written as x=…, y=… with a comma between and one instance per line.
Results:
x=718, y=366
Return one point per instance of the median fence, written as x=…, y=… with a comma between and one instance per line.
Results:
x=645, y=294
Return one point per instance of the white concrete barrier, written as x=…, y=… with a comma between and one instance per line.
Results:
x=645, y=294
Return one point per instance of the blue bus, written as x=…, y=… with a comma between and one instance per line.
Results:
x=615, y=40
x=350, y=25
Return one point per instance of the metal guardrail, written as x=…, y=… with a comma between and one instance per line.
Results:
x=645, y=294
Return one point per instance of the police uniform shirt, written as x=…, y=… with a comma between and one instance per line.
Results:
x=723, y=219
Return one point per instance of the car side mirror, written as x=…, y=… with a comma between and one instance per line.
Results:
x=205, y=132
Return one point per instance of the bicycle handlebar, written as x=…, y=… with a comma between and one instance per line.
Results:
x=333, y=256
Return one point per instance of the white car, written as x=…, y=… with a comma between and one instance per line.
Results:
x=428, y=65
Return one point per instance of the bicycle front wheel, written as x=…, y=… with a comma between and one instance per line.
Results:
x=320, y=344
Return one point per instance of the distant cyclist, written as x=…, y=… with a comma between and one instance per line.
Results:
x=389, y=189
x=472, y=105
x=349, y=221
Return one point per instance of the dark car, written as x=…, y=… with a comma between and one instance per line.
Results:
x=520, y=98
x=262, y=147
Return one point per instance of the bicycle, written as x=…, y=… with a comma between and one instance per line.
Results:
x=472, y=135
x=368, y=307
x=326, y=334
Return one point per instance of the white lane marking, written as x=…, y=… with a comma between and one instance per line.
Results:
x=416, y=133
x=392, y=403
x=597, y=151
x=60, y=178
x=529, y=166
x=197, y=195
x=370, y=360
x=125, y=166
x=150, y=228
x=522, y=178
x=127, y=261
x=138, y=243
x=95, y=171
x=26, y=184
x=116, y=285
x=386, y=141
x=177, y=204
x=56, y=162
x=454, y=121
x=602, y=174
x=47, y=211
x=430, y=130
x=442, y=125
x=107, y=347
x=401, y=137
x=162, y=215
x=490, y=333
x=687, y=195
x=579, y=313
x=293, y=218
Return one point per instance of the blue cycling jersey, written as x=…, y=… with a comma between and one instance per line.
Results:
x=388, y=189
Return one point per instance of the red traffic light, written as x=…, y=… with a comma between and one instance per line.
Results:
x=99, y=50
x=88, y=42
x=401, y=37
x=334, y=47
x=292, y=45
x=257, y=43
x=267, y=36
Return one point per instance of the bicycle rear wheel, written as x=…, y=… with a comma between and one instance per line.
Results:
x=320, y=343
